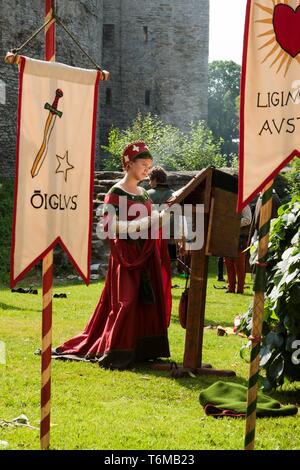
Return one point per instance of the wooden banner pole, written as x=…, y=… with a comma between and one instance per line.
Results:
x=50, y=51
x=258, y=312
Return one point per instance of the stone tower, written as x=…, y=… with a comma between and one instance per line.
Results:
x=157, y=53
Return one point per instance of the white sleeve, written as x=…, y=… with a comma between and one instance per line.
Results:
x=142, y=224
x=164, y=216
x=137, y=225
x=182, y=227
x=131, y=226
x=146, y=222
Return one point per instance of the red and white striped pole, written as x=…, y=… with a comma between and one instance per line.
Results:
x=50, y=42
x=50, y=50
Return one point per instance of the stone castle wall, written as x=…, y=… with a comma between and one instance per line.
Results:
x=18, y=20
x=155, y=50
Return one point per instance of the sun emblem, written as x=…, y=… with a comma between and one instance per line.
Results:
x=282, y=33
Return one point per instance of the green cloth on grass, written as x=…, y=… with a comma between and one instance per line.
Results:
x=230, y=399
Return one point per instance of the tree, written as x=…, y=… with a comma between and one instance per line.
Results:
x=170, y=147
x=223, y=93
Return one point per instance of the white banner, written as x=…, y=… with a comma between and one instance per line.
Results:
x=55, y=164
x=270, y=93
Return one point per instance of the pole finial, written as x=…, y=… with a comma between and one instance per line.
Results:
x=12, y=58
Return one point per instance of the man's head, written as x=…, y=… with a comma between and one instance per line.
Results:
x=157, y=176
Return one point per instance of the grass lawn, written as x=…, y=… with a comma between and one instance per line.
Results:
x=138, y=409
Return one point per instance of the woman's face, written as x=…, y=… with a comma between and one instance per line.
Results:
x=140, y=168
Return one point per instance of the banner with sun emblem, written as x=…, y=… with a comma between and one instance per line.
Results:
x=270, y=93
x=54, y=164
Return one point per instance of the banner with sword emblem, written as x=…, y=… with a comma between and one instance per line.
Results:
x=55, y=164
x=270, y=93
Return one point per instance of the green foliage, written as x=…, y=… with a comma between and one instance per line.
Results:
x=281, y=327
x=171, y=148
x=6, y=211
x=282, y=187
x=223, y=103
x=293, y=177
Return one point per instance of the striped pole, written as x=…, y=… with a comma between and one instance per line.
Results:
x=46, y=350
x=50, y=46
x=258, y=311
x=47, y=280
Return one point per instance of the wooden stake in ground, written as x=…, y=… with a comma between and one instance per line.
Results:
x=47, y=278
x=258, y=311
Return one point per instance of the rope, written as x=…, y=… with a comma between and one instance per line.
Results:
x=185, y=267
x=59, y=21
x=77, y=43
x=19, y=49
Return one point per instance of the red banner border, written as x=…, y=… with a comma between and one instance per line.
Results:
x=86, y=279
x=296, y=153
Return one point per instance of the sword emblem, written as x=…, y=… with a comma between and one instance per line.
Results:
x=53, y=113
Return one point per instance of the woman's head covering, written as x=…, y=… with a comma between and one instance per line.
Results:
x=137, y=149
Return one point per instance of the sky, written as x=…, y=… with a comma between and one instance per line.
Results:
x=227, y=19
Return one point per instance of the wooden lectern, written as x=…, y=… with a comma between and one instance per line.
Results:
x=217, y=191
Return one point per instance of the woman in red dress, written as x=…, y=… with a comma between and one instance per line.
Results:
x=130, y=322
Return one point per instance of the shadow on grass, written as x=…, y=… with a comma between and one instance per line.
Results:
x=144, y=369
x=291, y=396
x=201, y=382
x=61, y=283
x=197, y=381
x=13, y=307
x=207, y=322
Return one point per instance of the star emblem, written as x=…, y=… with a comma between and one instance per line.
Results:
x=135, y=148
x=64, y=165
x=126, y=158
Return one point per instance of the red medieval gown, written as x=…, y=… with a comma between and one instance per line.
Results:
x=130, y=322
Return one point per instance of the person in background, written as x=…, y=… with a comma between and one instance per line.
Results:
x=221, y=269
x=236, y=267
x=159, y=193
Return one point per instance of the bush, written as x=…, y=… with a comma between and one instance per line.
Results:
x=281, y=185
x=281, y=327
x=293, y=177
x=170, y=147
x=6, y=212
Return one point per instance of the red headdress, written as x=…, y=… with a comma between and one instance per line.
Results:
x=133, y=150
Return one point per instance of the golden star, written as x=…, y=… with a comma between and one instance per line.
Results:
x=64, y=165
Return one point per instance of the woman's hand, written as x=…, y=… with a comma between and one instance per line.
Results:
x=181, y=248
